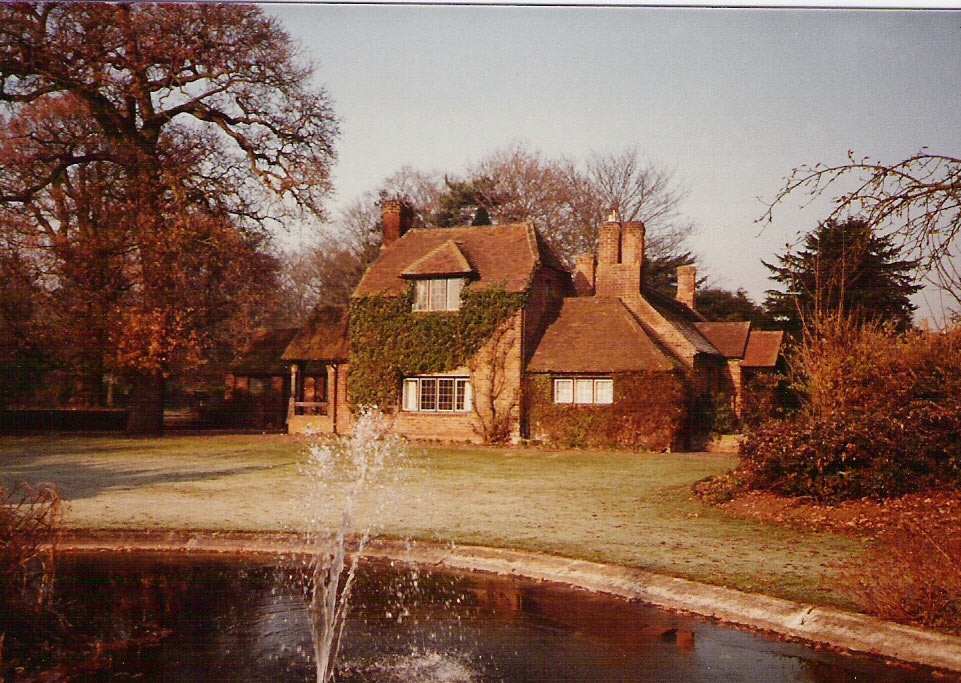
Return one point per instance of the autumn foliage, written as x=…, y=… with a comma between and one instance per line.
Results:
x=880, y=416
x=146, y=151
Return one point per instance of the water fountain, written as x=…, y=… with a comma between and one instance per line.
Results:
x=181, y=617
x=340, y=470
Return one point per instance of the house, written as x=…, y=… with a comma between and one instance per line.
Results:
x=256, y=385
x=483, y=334
x=317, y=357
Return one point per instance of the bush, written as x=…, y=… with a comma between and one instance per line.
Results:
x=30, y=526
x=766, y=396
x=880, y=417
x=913, y=576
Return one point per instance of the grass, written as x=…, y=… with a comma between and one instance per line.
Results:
x=621, y=508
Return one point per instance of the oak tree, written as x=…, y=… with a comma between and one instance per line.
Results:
x=145, y=152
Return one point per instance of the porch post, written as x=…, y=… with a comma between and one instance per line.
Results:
x=291, y=408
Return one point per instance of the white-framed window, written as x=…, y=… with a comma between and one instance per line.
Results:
x=438, y=294
x=563, y=391
x=584, y=390
x=440, y=394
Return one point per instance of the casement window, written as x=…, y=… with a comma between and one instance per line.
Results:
x=437, y=394
x=438, y=294
x=584, y=391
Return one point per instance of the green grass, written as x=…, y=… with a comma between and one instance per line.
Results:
x=622, y=508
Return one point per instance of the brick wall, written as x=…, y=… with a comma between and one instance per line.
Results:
x=436, y=426
x=670, y=335
x=544, y=297
x=496, y=372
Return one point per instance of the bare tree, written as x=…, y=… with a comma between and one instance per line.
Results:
x=641, y=190
x=525, y=186
x=917, y=201
x=568, y=201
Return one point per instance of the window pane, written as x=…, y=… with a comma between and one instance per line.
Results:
x=438, y=294
x=410, y=394
x=604, y=391
x=445, y=394
x=454, y=287
x=421, y=291
x=584, y=391
x=563, y=391
x=463, y=385
x=459, y=395
x=428, y=394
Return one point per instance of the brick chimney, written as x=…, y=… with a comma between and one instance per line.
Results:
x=584, y=269
x=620, y=258
x=687, y=286
x=396, y=218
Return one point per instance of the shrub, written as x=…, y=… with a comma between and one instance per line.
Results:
x=30, y=527
x=880, y=417
x=913, y=576
x=766, y=396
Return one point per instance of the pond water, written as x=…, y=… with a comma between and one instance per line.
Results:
x=213, y=618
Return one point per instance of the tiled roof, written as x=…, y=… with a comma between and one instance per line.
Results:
x=262, y=355
x=500, y=255
x=728, y=338
x=447, y=259
x=596, y=335
x=763, y=349
x=683, y=319
x=323, y=338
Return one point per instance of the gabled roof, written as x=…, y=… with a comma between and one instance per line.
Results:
x=322, y=338
x=447, y=259
x=262, y=354
x=730, y=338
x=763, y=349
x=597, y=335
x=499, y=255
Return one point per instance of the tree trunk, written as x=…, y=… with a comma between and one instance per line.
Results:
x=146, y=404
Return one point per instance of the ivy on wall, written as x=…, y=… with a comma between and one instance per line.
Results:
x=388, y=341
x=649, y=413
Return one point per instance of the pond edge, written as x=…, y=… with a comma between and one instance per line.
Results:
x=816, y=625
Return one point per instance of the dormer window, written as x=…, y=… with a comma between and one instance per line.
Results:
x=439, y=278
x=438, y=294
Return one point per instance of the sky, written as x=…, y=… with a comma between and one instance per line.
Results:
x=730, y=99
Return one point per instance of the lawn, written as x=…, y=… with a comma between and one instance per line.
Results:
x=622, y=508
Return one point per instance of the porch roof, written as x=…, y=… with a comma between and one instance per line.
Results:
x=322, y=338
x=263, y=353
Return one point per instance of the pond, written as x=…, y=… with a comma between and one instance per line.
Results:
x=176, y=617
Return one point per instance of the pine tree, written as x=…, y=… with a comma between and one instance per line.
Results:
x=843, y=268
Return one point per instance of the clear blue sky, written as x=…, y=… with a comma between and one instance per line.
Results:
x=732, y=99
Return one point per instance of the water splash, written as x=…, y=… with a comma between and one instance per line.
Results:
x=342, y=471
x=419, y=667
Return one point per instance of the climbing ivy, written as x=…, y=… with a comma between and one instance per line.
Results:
x=649, y=413
x=388, y=341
